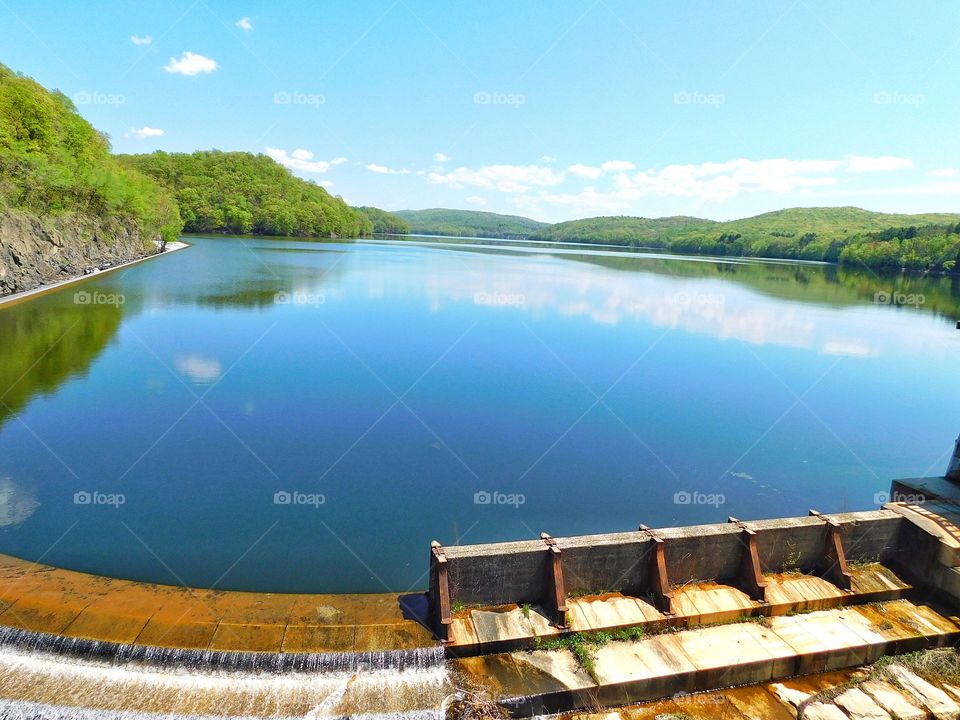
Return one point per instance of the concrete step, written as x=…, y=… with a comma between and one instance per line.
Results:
x=896, y=694
x=511, y=627
x=707, y=658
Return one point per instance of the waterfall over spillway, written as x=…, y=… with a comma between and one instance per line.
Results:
x=51, y=678
x=35, y=711
x=117, y=654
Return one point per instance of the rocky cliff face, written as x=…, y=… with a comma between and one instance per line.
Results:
x=37, y=251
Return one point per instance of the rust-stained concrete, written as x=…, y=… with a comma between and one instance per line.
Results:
x=493, y=629
x=896, y=694
x=44, y=599
x=704, y=658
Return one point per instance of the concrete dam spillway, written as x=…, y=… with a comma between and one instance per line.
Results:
x=745, y=614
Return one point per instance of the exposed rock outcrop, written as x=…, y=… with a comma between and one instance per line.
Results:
x=37, y=251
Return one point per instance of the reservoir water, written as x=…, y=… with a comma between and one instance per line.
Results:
x=306, y=416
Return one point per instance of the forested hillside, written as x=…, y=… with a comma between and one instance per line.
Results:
x=67, y=206
x=385, y=222
x=468, y=223
x=242, y=193
x=53, y=162
x=920, y=243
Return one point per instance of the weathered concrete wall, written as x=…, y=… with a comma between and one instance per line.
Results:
x=518, y=572
x=37, y=251
x=486, y=574
x=596, y=563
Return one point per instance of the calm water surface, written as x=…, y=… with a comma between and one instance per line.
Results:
x=305, y=416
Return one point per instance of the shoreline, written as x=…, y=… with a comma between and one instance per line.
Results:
x=25, y=295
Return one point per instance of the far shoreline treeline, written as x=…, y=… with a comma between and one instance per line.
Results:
x=57, y=173
x=926, y=243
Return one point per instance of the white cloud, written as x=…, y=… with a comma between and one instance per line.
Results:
x=589, y=199
x=505, y=178
x=17, y=502
x=585, y=171
x=705, y=181
x=198, y=368
x=942, y=188
x=722, y=180
x=942, y=172
x=477, y=200
x=441, y=158
x=147, y=131
x=617, y=166
x=141, y=39
x=847, y=349
x=190, y=64
x=338, y=161
x=244, y=24
x=299, y=159
x=384, y=170
x=882, y=163
x=610, y=166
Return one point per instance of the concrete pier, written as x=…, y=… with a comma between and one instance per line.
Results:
x=763, y=567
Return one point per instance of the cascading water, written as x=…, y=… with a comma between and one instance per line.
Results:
x=49, y=677
x=341, y=662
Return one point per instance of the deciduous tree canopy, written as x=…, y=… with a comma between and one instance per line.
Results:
x=52, y=162
x=917, y=243
x=242, y=193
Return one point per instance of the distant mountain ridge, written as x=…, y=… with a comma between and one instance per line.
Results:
x=919, y=243
x=468, y=223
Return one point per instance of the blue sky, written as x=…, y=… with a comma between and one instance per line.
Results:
x=551, y=109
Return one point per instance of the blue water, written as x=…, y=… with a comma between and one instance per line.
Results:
x=388, y=387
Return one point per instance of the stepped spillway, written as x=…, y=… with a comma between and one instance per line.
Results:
x=707, y=608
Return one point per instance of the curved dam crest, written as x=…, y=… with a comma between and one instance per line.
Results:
x=781, y=598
